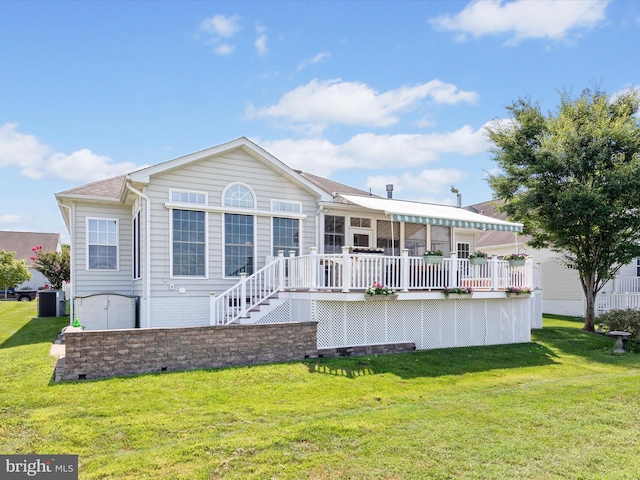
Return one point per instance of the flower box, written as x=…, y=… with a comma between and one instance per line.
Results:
x=478, y=261
x=516, y=262
x=380, y=297
x=518, y=295
x=433, y=259
x=458, y=296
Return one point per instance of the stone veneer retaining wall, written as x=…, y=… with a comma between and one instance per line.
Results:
x=109, y=353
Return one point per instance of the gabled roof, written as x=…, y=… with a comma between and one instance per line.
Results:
x=332, y=187
x=493, y=238
x=432, y=214
x=112, y=189
x=143, y=175
x=108, y=189
x=23, y=242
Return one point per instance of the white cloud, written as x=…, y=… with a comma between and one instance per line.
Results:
x=261, y=41
x=425, y=185
x=224, y=49
x=11, y=219
x=21, y=150
x=85, y=166
x=368, y=151
x=37, y=160
x=312, y=61
x=221, y=25
x=320, y=103
x=551, y=19
x=221, y=28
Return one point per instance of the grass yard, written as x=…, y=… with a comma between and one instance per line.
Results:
x=562, y=406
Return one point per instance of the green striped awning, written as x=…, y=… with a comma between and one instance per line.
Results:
x=449, y=222
x=432, y=214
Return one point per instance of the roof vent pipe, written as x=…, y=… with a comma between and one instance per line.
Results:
x=390, y=191
x=458, y=195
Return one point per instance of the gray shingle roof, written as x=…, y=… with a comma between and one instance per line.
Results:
x=109, y=188
x=333, y=187
x=23, y=242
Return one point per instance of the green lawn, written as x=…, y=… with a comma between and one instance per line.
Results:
x=560, y=407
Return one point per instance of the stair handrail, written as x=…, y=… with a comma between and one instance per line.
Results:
x=249, y=292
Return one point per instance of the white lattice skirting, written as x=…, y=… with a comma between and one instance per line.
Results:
x=427, y=323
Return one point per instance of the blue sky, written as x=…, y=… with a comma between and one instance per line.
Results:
x=365, y=93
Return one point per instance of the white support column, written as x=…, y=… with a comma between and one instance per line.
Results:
x=243, y=294
x=453, y=270
x=404, y=270
x=280, y=270
x=313, y=269
x=494, y=272
x=529, y=274
x=213, y=314
x=346, y=270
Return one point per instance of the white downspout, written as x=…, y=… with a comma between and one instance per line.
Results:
x=147, y=255
x=72, y=274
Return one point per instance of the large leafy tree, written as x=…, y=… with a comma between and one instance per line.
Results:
x=12, y=272
x=572, y=177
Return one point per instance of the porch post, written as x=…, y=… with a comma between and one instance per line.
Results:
x=314, y=269
x=213, y=314
x=528, y=281
x=404, y=270
x=494, y=272
x=243, y=294
x=346, y=270
x=453, y=270
x=280, y=270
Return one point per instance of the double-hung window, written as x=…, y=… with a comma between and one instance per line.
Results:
x=102, y=244
x=189, y=236
x=239, y=232
x=286, y=231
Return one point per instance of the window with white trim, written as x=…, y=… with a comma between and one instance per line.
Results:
x=136, y=246
x=289, y=207
x=183, y=196
x=102, y=244
x=237, y=195
x=463, y=250
x=286, y=235
x=238, y=244
x=189, y=242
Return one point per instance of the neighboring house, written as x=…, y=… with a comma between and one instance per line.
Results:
x=563, y=294
x=22, y=243
x=173, y=233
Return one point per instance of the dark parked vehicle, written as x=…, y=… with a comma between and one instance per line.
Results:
x=19, y=295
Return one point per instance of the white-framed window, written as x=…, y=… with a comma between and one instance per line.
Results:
x=137, y=247
x=334, y=233
x=188, y=196
x=188, y=243
x=283, y=206
x=359, y=222
x=239, y=244
x=102, y=244
x=238, y=195
x=286, y=235
x=463, y=249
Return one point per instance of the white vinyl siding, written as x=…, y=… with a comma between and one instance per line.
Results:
x=98, y=281
x=102, y=244
x=212, y=176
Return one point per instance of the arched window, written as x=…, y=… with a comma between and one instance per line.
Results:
x=238, y=195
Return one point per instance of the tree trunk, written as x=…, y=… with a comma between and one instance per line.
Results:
x=588, y=281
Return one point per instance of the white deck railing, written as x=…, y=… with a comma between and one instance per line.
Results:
x=617, y=301
x=250, y=291
x=346, y=272
x=626, y=284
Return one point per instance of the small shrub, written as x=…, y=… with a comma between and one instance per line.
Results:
x=627, y=320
